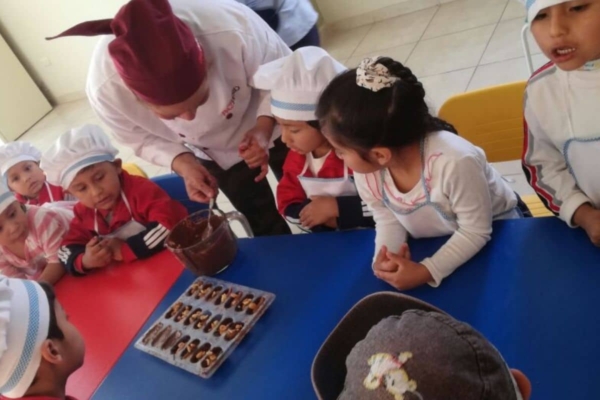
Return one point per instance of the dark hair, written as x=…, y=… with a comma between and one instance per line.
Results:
x=314, y=124
x=392, y=117
x=54, y=331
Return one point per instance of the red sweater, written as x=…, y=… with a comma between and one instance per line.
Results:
x=291, y=198
x=44, y=196
x=150, y=206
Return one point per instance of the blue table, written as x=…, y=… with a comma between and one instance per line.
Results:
x=533, y=291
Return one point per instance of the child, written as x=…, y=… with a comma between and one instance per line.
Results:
x=317, y=190
x=30, y=238
x=414, y=173
x=19, y=165
x=119, y=216
x=39, y=347
x=561, y=156
x=392, y=346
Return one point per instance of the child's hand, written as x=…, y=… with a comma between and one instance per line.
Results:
x=114, y=245
x=254, y=150
x=97, y=254
x=398, y=270
x=588, y=218
x=319, y=211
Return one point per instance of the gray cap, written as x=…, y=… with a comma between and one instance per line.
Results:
x=413, y=352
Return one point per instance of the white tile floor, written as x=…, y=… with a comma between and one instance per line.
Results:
x=459, y=46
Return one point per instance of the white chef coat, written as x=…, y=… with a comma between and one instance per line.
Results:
x=235, y=42
x=296, y=17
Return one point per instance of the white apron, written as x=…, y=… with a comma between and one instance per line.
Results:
x=327, y=187
x=128, y=230
x=582, y=155
x=426, y=219
x=583, y=160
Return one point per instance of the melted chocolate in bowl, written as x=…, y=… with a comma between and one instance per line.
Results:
x=206, y=257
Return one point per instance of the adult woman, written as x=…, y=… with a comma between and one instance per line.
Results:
x=174, y=84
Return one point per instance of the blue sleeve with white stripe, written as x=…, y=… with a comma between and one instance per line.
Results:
x=149, y=241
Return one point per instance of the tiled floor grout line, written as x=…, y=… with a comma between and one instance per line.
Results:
x=486, y=46
x=361, y=40
x=422, y=34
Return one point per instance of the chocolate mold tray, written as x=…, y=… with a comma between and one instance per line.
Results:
x=201, y=329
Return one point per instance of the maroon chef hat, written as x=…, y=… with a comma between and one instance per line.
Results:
x=155, y=53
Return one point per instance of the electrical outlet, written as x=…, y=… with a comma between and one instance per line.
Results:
x=45, y=61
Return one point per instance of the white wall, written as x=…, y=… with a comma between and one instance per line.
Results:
x=25, y=24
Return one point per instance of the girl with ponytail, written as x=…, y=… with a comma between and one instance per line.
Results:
x=417, y=176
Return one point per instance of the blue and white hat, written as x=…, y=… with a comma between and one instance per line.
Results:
x=296, y=82
x=535, y=6
x=75, y=150
x=6, y=196
x=15, y=152
x=24, y=322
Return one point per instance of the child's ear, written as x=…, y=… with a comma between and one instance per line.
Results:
x=51, y=352
x=118, y=163
x=381, y=155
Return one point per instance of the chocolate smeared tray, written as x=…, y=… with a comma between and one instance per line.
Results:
x=201, y=329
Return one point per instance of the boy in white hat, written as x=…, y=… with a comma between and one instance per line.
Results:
x=561, y=157
x=30, y=239
x=19, y=165
x=118, y=216
x=317, y=191
x=39, y=347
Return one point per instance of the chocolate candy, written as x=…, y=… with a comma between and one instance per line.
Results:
x=204, y=325
x=174, y=309
x=255, y=305
x=183, y=314
x=244, y=303
x=190, y=349
x=180, y=345
x=152, y=332
x=211, y=357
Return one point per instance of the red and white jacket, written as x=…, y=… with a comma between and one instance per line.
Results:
x=48, y=194
x=291, y=198
x=150, y=206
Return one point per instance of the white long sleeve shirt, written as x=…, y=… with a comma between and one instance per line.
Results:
x=562, y=131
x=459, y=195
x=235, y=42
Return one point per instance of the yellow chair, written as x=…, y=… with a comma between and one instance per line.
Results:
x=492, y=118
x=134, y=169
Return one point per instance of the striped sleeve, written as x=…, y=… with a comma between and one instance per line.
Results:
x=50, y=228
x=546, y=169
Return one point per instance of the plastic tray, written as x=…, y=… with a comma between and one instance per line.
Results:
x=201, y=329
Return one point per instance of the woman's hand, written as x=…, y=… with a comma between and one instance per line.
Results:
x=200, y=185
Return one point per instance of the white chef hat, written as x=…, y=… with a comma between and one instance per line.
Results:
x=75, y=150
x=14, y=152
x=535, y=6
x=6, y=196
x=296, y=82
x=24, y=322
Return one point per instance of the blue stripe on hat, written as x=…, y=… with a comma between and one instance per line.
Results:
x=293, y=106
x=30, y=338
x=89, y=161
x=529, y=3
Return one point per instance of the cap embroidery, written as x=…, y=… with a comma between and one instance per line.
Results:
x=388, y=369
